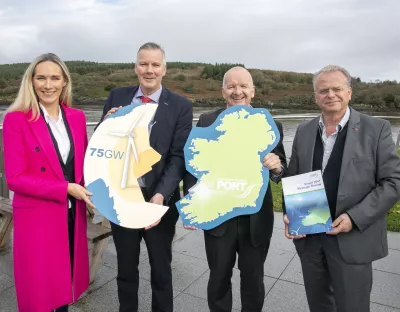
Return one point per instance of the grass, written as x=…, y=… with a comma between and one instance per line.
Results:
x=277, y=196
x=393, y=216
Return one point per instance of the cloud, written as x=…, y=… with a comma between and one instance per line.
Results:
x=293, y=35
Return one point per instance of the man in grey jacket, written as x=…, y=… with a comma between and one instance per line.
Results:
x=361, y=173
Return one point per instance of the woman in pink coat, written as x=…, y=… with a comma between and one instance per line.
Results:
x=44, y=147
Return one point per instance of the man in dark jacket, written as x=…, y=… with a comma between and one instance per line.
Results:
x=247, y=235
x=169, y=130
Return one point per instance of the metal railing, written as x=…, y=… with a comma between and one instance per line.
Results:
x=4, y=192
x=398, y=140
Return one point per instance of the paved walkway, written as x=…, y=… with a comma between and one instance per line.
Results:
x=283, y=278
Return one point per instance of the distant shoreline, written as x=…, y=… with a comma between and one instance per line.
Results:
x=211, y=103
x=201, y=83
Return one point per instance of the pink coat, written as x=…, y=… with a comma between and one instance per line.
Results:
x=42, y=269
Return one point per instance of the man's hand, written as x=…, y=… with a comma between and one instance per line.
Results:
x=341, y=225
x=153, y=225
x=273, y=163
x=286, y=221
x=79, y=192
x=189, y=227
x=157, y=199
x=111, y=111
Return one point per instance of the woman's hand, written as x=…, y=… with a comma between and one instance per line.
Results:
x=79, y=192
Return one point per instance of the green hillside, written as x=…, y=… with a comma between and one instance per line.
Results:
x=202, y=83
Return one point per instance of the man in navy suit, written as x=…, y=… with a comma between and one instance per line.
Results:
x=169, y=131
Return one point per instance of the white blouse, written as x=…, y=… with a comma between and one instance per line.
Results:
x=60, y=133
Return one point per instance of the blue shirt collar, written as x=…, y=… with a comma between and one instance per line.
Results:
x=155, y=97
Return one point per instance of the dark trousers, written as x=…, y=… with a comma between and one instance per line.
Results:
x=331, y=284
x=71, y=222
x=159, y=246
x=221, y=256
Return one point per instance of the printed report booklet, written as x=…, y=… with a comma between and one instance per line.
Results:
x=306, y=204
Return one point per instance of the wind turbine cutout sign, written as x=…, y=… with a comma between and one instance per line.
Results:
x=118, y=154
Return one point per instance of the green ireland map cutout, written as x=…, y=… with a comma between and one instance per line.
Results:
x=226, y=158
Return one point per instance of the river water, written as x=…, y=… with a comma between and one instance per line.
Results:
x=289, y=119
x=93, y=114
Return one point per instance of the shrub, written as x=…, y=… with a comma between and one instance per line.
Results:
x=189, y=88
x=266, y=90
x=3, y=83
x=211, y=85
x=10, y=90
x=110, y=86
x=258, y=78
x=180, y=77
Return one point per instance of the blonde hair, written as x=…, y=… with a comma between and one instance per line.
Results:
x=27, y=98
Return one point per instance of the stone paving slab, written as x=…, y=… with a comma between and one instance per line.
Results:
x=283, y=278
x=199, y=287
x=5, y=282
x=105, y=275
x=277, y=262
x=7, y=300
x=191, y=245
x=389, y=264
x=381, y=308
x=278, y=221
x=394, y=240
x=110, y=255
x=6, y=264
x=286, y=297
x=293, y=272
x=188, y=303
x=386, y=289
x=180, y=232
x=185, y=271
x=105, y=299
x=279, y=241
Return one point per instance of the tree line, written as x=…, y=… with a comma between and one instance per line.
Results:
x=92, y=80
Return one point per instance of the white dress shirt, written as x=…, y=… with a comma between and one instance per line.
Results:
x=155, y=98
x=329, y=141
x=60, y=133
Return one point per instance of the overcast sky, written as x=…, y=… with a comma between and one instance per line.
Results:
x=292, y=35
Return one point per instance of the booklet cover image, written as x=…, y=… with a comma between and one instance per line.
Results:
x=306, y=204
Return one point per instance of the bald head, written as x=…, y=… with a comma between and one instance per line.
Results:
x=237, y=87
x=235, y=71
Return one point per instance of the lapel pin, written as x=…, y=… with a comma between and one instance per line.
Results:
x=165, y=103
x=355, y=129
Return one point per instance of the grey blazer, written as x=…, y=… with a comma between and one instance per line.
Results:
x=369, y=182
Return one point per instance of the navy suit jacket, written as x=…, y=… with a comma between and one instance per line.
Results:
x=172, y=125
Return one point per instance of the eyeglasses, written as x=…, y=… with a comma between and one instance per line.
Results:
x=335, y=90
